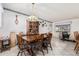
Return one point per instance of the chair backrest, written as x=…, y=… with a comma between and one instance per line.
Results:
x=42, y=36
x=19, y=39
x=12, y=39
x=76, y=35
x=39, y=40
x=50, y=35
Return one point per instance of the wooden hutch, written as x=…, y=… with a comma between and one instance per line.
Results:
x=33, y=27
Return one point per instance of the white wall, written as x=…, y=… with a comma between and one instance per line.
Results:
x=74, y=27
x=0, y=19
x=45, y=29
x=8, y=24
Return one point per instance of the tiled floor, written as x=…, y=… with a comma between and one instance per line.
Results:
x=60, y=48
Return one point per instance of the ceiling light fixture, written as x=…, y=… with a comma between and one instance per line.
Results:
x=33, y=17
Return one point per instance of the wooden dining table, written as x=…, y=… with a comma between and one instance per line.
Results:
x=32, y=38
x=28, y=38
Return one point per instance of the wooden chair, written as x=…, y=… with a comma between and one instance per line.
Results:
x=12, y=39
x=77, y=42
x=39, y=43
x=76, y=39
x=1, y=46
x=28, y=44
x=45, y=45
x=49, y=39
x=36, y=45
x=0, y=42
x=20, y=45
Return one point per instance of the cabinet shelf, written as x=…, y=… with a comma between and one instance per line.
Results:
x=33, y=27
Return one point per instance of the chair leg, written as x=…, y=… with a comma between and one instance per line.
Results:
x=50, y=46
x=24, y=53
x=33, y=53
x=18, y=53
x=75, y=46
x=1, y=50
x=42, y=51
x=77, y=50
x=46, y=49
x=30, y=52
x=21, y=53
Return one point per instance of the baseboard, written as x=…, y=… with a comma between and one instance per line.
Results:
x=69, y=40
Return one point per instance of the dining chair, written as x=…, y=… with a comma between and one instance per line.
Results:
x=28, y=44
x=77, y=42
x=39, y=43
x=45, y=45
x=76, y=39
x=12, y=39
x=36, y=45
x=21, y=45
x=0, y=42
x=0, y=45
x=49, y=39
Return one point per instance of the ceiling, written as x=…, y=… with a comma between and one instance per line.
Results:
x=48, y=11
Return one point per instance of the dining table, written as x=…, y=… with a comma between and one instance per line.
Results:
x=28, y=38
x=31, y=38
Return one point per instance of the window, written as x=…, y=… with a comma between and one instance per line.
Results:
x=1, y=10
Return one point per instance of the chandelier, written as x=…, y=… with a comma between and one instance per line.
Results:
x=32, y=17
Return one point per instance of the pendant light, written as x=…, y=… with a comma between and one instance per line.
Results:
x=16, y=21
